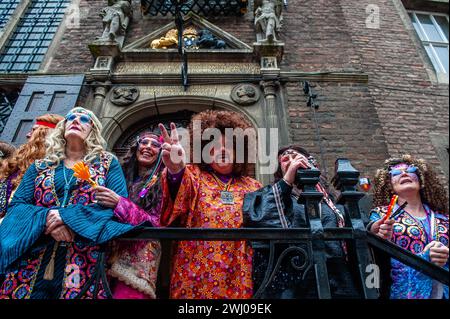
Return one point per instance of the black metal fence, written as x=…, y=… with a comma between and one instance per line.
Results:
x=361, y=245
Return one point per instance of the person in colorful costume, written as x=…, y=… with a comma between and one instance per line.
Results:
x=421, y=227
x=276, y=206
x=51, y=238
x=135, y=264
x=13, y=169
x=208, y=196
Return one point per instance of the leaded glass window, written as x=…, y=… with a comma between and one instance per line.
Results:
x=28, y=44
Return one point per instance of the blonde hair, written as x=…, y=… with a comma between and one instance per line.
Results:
x=94, y=144
x=27, y=153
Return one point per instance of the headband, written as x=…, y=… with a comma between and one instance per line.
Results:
x=47, y=124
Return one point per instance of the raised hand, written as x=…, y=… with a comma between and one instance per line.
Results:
x=296, y=161
x=173, y=154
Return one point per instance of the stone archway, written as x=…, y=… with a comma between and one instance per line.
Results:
x=180, y=118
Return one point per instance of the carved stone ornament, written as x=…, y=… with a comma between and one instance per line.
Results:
x=103, y=63
x=124, y=95
x=245, y=94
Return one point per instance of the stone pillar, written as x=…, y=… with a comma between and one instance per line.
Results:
x=270, y=89
x=100, y=91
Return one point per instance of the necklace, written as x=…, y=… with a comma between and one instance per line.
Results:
x=431, y=221
x=152, y=178
x=226, y=196
x=66, y=186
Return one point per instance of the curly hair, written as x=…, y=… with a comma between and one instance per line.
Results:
x=27, y=153
x=6, y=150
x=222, y=120
x=95, y=144
x=432, y=191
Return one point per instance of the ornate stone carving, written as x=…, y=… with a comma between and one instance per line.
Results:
x=124, y=95
x=269, y=87
x=194, y=68
x=170, y=39
x=269, y=63
x=245, y=94
x=103, y=63
x=268, y=21
x=208, y=41
x=115, y=17
x=190, y=38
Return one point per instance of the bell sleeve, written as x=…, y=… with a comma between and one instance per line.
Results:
x=176, y=211
x=24, y=222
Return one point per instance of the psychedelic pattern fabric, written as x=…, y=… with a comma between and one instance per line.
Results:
x=78, y=259
x=410, y=234
x=209, y=269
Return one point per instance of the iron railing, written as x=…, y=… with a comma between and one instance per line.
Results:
x=308, y=242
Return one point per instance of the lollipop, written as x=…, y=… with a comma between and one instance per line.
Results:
x=81, y=171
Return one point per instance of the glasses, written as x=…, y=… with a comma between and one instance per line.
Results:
x=149, y=142
x=84, y=118
x=398, y=171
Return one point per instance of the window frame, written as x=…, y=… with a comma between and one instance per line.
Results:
x=427, y=41
x=40, y=14
x=9, y=11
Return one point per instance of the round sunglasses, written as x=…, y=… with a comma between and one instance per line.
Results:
x=84, y=118
x=149, y=141
x=398, y=171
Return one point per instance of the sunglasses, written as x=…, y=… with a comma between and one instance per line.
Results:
x=84, y=118
x=149, y=141
x=398, y=171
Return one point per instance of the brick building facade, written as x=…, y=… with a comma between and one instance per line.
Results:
x=378, y=91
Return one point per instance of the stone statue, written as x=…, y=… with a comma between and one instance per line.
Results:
x=170, y=39
x=208, y=41
x=267, y=20
x=116, y=18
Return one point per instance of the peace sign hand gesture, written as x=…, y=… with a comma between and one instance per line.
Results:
x=173, y=154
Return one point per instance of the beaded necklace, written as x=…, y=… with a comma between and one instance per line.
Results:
x=152, y=178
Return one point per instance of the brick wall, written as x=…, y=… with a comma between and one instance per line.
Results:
x=408, y=104
x=347, y=121
x=317, y=38
x=71, y=54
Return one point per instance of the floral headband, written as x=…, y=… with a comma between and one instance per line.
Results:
x=141, y=136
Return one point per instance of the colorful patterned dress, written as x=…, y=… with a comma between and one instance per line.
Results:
x=209, y=269
x=25, y=251
x=137, y=263
x=412, y=234
x=6, y=193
